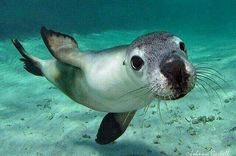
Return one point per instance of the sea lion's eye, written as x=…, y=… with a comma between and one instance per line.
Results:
x=182, y=46
x=136, y=62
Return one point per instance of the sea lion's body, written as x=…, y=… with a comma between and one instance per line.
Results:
x=119, y=80
x=101, y=84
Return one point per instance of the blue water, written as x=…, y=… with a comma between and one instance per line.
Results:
x=37, y=119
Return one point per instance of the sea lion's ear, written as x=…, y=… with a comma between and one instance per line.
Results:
x=113, y=126
x=63, y=47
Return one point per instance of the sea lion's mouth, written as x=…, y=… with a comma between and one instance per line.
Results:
x=172, y=97
x=171, y=92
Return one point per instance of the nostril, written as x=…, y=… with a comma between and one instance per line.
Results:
x=179, y=76
x=174, y=70
x=174, y=51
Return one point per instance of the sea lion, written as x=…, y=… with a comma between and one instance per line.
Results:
x=118, y=80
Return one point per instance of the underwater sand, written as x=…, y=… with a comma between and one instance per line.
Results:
x=38, y=119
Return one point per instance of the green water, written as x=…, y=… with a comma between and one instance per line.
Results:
x=37, y=119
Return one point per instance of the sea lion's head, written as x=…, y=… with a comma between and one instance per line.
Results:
x=159, y=60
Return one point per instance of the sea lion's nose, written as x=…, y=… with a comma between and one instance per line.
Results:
x=173, y=68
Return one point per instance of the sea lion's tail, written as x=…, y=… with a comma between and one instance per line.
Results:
x=31, y=64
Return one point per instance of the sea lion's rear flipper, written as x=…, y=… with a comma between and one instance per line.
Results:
x=113, y=126
x=32, y=64
x=63, y=47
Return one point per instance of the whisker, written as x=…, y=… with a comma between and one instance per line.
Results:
x=144, y=113
x=159, y=110
x=213, y=81
x=212, y=74
x=203, y=87
x=208, y=68
x=213, y=89
x=200, y=88
x=148, y=91
x=151, y=90
x=136, y=93
x=126, y=119
x=135, y=90
x=166, y=105
x=203, y=63
x=209, y=76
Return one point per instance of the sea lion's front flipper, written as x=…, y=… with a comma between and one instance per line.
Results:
x=113, y=126
x=63, y=47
